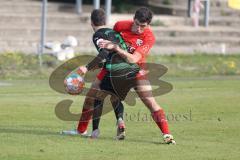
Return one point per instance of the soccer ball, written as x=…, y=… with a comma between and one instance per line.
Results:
x=74, y=84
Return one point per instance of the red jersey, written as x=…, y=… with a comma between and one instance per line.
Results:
x=140, y=43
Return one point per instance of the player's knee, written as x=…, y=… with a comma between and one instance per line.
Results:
x=114, y=99
x=150, y=103
x=96, y=84
x=88, y=103
x=147, y=101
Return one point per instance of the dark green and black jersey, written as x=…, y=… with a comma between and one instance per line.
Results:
x=121, y=74
x=115, y=64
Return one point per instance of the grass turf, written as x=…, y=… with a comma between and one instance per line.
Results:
x=203, y=116
x=22, y=66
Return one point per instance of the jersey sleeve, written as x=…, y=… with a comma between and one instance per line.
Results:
x=148, y=43
x=103, y=53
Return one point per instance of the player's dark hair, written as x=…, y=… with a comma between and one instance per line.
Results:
x=143, y=15
x=98, y=17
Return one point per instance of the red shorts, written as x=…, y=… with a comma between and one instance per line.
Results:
x=101, y=74
x=140, y=76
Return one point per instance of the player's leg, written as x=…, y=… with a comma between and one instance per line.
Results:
x=89, y=102
x=87, y=109
x=97, y=112
x=128, y=81
x=119, y=111
x=144, y=91
x=107, y=89
x=118, y=107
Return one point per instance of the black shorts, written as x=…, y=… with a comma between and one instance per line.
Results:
x=119, y=85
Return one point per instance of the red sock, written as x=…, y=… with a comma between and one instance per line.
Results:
x=160, y=119
x=84, y=120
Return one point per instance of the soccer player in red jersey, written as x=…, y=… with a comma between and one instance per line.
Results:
x=139, y=37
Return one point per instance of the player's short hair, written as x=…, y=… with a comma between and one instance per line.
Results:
x=143, y=15
x=98, y=17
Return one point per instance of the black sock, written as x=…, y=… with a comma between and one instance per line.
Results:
x=118, y=109
x=97, y=112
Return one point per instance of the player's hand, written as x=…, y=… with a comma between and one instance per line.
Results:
x=107, y=44
x=82, y=70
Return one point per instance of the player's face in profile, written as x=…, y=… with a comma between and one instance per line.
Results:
x=138, y=27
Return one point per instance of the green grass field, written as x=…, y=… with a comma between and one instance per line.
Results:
x=206, y=124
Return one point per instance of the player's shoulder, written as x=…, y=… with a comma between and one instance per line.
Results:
x=123, y=25
x=149, y=33
x=101, y=33
x=122, y=22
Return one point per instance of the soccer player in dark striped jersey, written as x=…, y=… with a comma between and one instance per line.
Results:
x=115, y=70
